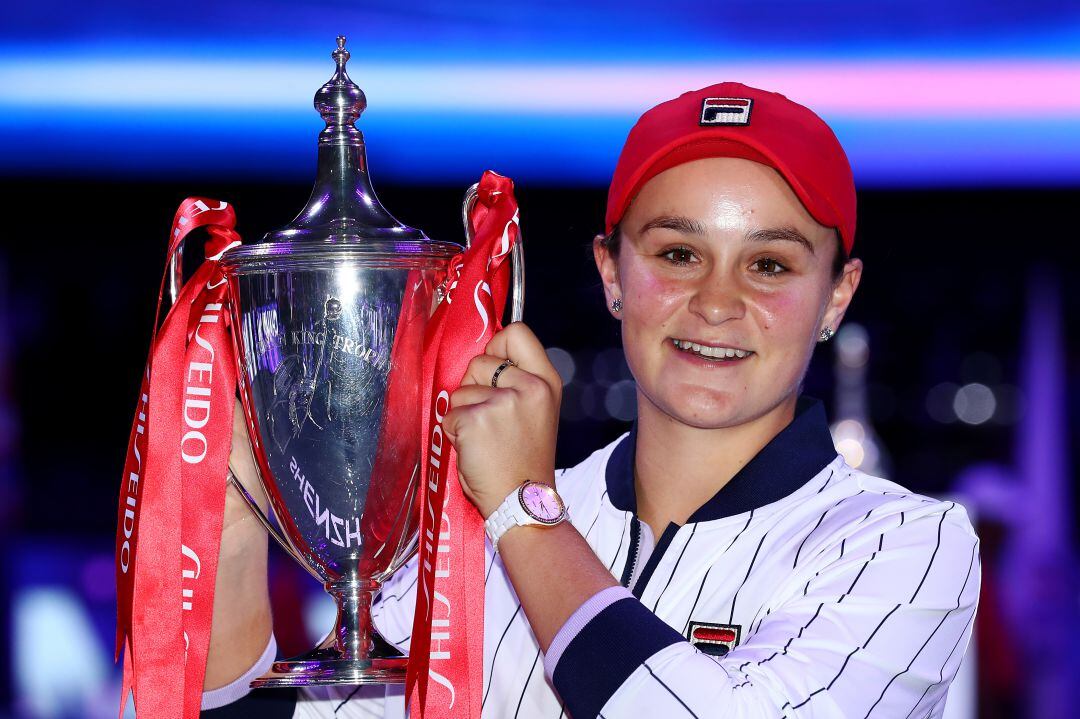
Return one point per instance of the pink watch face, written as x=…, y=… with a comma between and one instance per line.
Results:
x=541, y=502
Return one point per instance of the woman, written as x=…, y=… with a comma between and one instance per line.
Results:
x=721, y=559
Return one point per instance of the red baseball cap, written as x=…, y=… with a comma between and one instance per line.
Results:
x=734, y=120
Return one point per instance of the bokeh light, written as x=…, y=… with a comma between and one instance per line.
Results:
x=563, y=362
x=974, y=403
x=609, y=367
x=621, y=400
x=939, y=402
x=853, y=344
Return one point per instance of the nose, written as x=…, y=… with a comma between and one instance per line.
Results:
x=717, y=300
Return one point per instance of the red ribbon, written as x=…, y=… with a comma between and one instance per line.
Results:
x=446, y=672
x=172, y=493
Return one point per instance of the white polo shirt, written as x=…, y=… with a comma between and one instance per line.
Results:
x=803, y=588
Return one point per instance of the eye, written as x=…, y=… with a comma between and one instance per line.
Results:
x=679, y=255
x=768, y=267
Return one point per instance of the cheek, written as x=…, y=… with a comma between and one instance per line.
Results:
x=772, y=309
x=787, y=313
x=648, y=297
x=650, y=305
x=787, y=321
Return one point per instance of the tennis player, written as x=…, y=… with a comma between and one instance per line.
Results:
x=720, y=559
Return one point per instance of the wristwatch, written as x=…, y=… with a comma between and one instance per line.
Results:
x=533, y=503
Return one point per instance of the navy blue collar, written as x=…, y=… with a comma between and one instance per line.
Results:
x=790, y=459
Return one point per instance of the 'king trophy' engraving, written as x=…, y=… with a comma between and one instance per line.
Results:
x=327, y=377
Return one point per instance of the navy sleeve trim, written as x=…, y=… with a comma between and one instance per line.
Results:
x=606, y=652
x=257, y=704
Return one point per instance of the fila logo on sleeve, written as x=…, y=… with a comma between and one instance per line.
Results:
x=726, y=111
x=714, y=639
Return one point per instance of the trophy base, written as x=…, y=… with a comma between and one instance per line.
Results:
x=324, y=666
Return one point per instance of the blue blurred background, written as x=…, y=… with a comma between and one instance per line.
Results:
x=956, y=374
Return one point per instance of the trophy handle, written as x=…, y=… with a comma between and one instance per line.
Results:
x=176, y=271
x=268, y=525
x=517, y=257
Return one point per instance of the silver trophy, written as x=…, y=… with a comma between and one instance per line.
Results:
x=329, y=314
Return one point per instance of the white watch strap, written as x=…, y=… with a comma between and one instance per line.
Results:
x=509, y=514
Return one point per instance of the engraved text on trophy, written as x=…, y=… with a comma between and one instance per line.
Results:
x=324, y=372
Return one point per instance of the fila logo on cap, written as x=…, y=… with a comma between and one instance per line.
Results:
x=714, y=639
x=726, y=111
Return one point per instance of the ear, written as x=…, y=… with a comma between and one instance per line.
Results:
x=608, y=267
x=841, y=295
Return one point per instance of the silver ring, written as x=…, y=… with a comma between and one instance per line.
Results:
x=499, y=371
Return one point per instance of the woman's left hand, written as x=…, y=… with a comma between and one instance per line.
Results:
x=505, y=435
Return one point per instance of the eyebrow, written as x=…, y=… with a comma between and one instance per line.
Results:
x=688, y=226
x=678, y=223
x=785, y=234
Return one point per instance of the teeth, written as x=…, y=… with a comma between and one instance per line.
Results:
x=706, y=351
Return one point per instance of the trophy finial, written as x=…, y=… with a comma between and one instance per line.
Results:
x=341, y=55
x=340, y=101
x=343, y=206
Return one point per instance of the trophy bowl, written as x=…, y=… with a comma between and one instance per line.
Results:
x=325, y=352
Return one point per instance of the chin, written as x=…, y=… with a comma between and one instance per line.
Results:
x=704, y=408
x=714, y=408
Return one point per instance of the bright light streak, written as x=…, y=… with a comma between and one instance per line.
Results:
x=925, y=122
x=927, y=89
x=347, y=278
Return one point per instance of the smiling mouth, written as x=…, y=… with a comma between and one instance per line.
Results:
x=716, y=354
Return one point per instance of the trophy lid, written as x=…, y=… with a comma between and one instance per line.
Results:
x=343, y=208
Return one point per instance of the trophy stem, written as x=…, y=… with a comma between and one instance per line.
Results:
x=353, y=653
x=352, y=632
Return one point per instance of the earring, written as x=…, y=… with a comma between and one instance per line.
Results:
x=616, y=305
x=826, y=334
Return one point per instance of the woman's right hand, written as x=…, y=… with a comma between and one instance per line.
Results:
x=242, y=623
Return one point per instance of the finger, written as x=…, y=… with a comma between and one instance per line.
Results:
x=457, y=418
x=470, y=394
x=482, y=369
x=518, y=342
